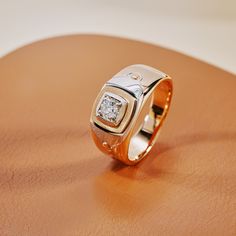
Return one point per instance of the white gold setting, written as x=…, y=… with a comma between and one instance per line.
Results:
x=111, y=109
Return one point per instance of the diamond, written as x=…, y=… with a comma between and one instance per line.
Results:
x=111, y=108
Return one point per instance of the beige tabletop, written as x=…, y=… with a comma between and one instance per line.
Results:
x=54, y=181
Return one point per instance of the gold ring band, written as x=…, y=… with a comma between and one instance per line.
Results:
x=129, y=111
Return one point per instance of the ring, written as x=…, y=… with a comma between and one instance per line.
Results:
x=129, y=111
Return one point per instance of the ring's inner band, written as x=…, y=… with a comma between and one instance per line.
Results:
x=151, y=118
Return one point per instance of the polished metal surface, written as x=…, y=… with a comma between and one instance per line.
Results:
x=146, y=94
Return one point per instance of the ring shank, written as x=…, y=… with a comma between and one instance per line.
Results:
x=143, y=137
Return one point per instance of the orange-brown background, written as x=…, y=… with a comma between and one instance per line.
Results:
x=53, y=180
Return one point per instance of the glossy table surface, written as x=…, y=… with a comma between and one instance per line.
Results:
x=54, y=181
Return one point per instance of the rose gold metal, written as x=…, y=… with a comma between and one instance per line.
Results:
x=146, y=95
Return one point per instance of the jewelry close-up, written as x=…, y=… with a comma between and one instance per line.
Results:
x=129, y=111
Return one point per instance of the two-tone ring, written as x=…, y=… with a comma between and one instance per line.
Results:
x=129, y=111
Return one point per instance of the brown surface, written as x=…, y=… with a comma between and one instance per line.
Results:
x=53, y=180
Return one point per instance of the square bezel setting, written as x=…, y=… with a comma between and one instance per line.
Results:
x=111, y=109
x=126, y=111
